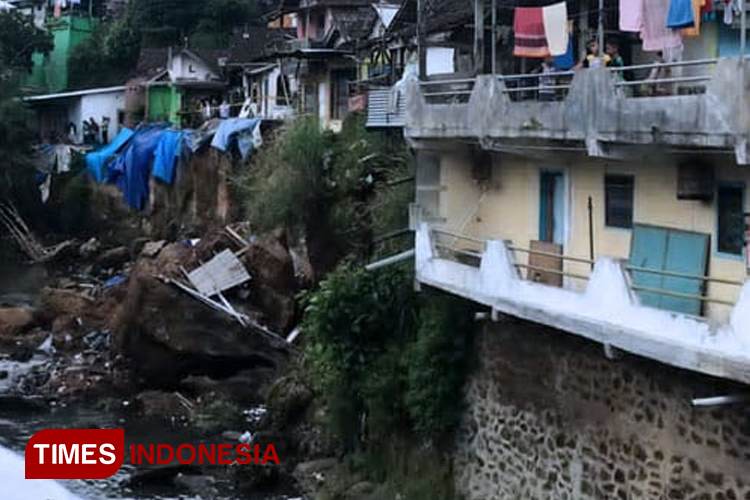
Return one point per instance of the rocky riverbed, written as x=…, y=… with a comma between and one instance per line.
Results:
x=101, y=340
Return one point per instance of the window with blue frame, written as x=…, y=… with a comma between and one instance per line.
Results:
x=730, y=224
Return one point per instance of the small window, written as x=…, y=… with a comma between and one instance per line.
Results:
x=618, y=194
x=730, y=224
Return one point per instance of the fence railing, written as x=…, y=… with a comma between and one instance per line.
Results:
x=448, y=91
x=563, y=258
x=639, y=80
x=704, y=280
x=459, y=247
x=469, y=250
x=553, y=86
x=664, y=78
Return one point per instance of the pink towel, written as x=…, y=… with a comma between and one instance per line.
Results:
x=655, y=34
x=528, y=28
x=631, y=15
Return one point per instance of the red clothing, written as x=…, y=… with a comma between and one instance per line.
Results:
x=530, y=37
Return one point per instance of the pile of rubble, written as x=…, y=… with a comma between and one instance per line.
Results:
x=161, y=315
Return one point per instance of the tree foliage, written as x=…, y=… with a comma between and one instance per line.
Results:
x=377, y=348
x=112, y=52
x=19, y=39
x=332, y=186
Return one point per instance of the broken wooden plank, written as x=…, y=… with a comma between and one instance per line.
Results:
x=221, y=273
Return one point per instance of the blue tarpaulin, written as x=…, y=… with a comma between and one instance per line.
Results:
x=132, y=169
x=246, y=131
x=167, y=152
x=96, y=161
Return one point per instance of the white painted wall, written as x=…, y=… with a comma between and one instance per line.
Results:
x=184, y=67
x=98, y=106
x=440, y=60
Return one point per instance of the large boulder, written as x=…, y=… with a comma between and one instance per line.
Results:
x=166, y=334
x=273, y=279
x=15, y=320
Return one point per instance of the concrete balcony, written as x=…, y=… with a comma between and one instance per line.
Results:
x=606, y=310
x=594, y=110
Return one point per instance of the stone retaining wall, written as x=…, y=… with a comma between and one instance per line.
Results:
x=549, y=417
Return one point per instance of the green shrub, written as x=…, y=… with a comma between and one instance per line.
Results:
x=377, y=348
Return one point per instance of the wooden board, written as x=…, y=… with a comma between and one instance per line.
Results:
x=221, y=273
x=545, y=262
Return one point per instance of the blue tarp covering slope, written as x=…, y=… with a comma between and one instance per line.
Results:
x=96, y=161
x=246, y=131
x=132, y=169
x=167, y=152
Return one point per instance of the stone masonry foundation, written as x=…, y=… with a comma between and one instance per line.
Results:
x=550, y=417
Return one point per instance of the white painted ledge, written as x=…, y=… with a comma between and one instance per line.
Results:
x=608, y=311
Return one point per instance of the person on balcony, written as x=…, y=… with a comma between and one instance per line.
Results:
x=594, y=58
x=616, y=61
x=658, y=72
x=547, y=80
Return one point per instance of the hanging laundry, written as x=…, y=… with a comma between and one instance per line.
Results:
x=655, y=34
x=731, y=8
x=528, y=28
x=555, y=18
x=631, y=15
x=680, y=14
x=696, y=29
x=567, y=60
x=707, y=7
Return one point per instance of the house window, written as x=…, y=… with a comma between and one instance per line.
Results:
x=730, y=224
x=618, y=200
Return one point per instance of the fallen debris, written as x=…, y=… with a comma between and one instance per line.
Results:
x=221, y=273
x=25, y=239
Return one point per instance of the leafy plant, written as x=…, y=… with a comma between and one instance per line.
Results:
x=379, y=350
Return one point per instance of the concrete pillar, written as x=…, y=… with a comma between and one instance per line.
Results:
x=740, y=319
x=609, y=287
x=497, y=273
x=424, y=251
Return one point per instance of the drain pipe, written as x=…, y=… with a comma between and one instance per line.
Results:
x=719, y=400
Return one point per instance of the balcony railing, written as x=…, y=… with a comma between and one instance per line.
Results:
x=469, y=250
x=448, y=90
x=606, y=310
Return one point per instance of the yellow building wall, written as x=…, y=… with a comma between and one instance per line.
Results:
x=508, y=208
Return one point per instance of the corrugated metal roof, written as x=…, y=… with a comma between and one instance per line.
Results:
x=381, y=111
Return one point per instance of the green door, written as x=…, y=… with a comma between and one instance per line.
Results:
x=666, y=249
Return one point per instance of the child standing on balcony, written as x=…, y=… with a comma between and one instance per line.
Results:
x=594, y=58
x=547, y=80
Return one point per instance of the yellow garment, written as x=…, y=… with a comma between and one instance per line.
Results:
x=695, y=30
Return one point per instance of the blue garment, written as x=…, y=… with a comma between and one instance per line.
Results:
x=565, y=61
x=166, y=154
x=96, y=161
x=240, y=130
x=132, y=169
x=680, y=14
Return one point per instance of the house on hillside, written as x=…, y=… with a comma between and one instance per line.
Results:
x=608, y=201
x=50, y=72
x=325, y=51
x=190, y=81
x=89, y=116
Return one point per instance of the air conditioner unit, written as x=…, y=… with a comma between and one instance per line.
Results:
x=695, y=181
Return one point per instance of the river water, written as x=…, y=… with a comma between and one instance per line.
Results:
x=19, y=421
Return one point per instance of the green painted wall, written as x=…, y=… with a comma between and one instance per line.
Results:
x=50, y=72
x=164, y=103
